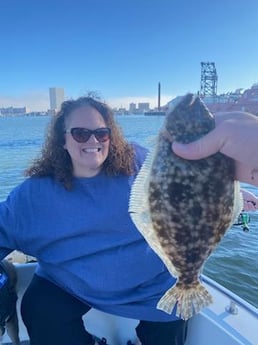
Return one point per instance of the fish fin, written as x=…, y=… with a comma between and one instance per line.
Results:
x=188, y=302
x=152, y=140
x=140, y=212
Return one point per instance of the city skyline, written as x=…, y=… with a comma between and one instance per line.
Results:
x=56, y=98
x=52, y=99
x=122, y=49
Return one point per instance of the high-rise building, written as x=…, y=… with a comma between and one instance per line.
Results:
x=142, y=107
x=56, y=97
x=132, y=108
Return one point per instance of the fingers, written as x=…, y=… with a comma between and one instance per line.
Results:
x=199, y=149
x=249, y=206
x=246, y=173
x=250, y=200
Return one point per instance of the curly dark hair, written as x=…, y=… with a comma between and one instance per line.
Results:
x=55, y=161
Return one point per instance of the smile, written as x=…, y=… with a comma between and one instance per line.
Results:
x=91, y=150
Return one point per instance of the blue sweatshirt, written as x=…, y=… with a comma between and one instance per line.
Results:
x=86, y=243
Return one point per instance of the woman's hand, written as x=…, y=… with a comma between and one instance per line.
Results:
x=236, y=136
x=250, y=201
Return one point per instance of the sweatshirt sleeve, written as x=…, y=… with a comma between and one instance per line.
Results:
x=10, y=211
x=7, y=227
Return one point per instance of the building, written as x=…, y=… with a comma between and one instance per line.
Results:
x=56, y=97
x=12, y=111
x=142, y=107
x=132, y=108
x=240, y=100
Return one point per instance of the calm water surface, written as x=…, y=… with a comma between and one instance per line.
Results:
x=234, y=262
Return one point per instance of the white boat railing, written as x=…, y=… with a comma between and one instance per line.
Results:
x=234, y=300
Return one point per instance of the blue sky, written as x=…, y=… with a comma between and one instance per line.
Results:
x=123, y=48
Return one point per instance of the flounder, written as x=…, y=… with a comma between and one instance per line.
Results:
x=184, y=207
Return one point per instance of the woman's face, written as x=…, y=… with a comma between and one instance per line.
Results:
x=87, y=157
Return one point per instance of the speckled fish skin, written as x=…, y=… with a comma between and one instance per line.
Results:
x=191, y=204
x=183, y=208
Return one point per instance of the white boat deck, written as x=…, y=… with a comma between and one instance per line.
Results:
x=228, y=321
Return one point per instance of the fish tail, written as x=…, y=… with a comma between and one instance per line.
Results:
x=187, y=301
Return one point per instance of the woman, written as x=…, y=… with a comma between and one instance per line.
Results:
x=72, y=215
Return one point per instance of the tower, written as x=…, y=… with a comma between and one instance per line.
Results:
x=209, y=79
x=159, y=97
x=56, y=97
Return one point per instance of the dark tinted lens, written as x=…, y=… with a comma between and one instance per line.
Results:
x=81, y=135
x=102, y=134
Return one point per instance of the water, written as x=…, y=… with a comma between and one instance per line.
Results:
x=233, y=264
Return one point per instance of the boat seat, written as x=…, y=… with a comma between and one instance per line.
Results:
x=116, y=330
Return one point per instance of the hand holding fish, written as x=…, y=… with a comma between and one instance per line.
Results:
x=184, y=207
x=235, y=135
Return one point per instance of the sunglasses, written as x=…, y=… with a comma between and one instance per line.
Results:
x=82, y=135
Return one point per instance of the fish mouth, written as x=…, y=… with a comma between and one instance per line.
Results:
x=190, y=103
x=190, y=99
x=182, y=101
x=188, y=120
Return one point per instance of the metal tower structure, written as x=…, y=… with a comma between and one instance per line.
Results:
x=209, y=79
x=159, y=97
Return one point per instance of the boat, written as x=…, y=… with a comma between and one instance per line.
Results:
x=154, y=113
x=229, y=320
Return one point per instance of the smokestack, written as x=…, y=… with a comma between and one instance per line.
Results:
x=159, y=97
